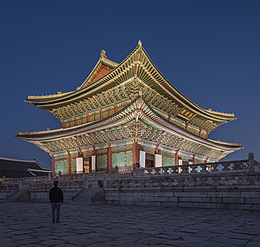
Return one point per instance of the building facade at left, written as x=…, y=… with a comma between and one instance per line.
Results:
x=16, y=168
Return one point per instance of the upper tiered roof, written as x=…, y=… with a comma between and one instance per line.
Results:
x=110, y=83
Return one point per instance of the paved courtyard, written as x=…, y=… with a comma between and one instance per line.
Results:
x=29, y=224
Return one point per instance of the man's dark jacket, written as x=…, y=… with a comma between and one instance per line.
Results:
x=56, y=195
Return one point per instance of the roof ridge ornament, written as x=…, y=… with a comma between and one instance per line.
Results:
x=103, y=54
x=140, y=93
x=140, y=43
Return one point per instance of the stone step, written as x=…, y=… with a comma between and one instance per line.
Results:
x=89, y=196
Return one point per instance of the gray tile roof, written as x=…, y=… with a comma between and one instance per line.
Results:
x=14, y=168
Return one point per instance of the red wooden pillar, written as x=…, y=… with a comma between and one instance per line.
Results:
x=115, y=108
x=135, y=152
x=176, y=158
x=53, y=166
x=109, y=158
x=94, y=153
x=156, y=149
x=69, y=163
x=193, y=159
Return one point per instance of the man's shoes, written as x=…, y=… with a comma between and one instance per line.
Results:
x=53, y=222
x=58, y=221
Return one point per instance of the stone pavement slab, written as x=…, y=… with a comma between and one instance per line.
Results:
x=29, y=224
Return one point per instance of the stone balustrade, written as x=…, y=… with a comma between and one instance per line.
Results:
x=225, y=167
x=218, y=167
x=10, y=181
x=228, y=184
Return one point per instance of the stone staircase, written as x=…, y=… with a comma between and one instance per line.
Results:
x=18, y=195
x=89, y=196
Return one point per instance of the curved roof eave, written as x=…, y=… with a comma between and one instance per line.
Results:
x=181, y=96
x=77, y=130
x=79, y=92
x=175, y=93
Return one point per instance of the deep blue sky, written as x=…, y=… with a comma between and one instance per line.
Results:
x=209, y=50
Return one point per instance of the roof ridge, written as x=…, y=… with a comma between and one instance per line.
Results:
x=19, y=160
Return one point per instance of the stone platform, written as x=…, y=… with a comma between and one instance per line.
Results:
x=29, y=224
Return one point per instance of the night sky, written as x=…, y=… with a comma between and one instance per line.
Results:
x=209, y=50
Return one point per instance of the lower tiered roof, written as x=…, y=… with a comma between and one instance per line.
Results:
x=136, y=121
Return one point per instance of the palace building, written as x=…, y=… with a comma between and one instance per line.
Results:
x=126, y=113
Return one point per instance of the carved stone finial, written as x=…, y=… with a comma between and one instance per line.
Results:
x=116, y=170
x=140, y=43
x=251, y=163
x=251, y=155
x=103, y=54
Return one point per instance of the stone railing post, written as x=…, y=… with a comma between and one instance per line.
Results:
x=20, y=186
x=251, y=162
x=116, y=171
x=49, y=176
x=86, y=178
x=134, y=169
x=105, y=180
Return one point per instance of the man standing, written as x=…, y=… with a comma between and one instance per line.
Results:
x=56, y=199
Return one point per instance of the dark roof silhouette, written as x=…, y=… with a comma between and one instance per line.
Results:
x=14, y=168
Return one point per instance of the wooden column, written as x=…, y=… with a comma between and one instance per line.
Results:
x=156, y=149
x=101, y=113
x=109, y=158
x=176, y=158
x=94, y=153
x=53, y=166
x=115, y=108
x=193, y=159
x=69, y=163
x=135, y=153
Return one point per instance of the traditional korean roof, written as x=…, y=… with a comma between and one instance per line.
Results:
x=103, y=67
x=16, y=168
x=109, y=83
x=136, y=120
